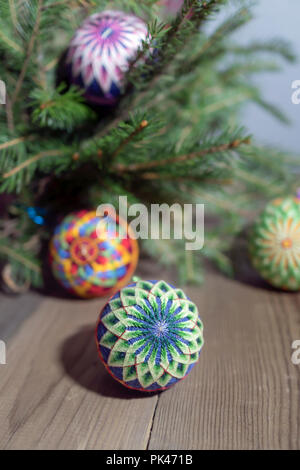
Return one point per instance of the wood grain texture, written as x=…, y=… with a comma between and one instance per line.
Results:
x=243, y=394
x=14, y=310
x=55, y=393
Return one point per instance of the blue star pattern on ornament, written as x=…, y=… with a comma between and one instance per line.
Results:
x=101, y=51
x=149, y=335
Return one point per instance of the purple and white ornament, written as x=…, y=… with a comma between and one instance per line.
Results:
x=100, y=53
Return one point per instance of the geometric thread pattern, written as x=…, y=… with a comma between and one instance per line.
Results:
x=149, y=335
x=92, y=256
x=100, y=53
x=275, y=244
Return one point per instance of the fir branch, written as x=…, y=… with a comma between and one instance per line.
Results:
x=11, y=253
x=28, y=53
x=274, y=46
x=272, y=109
x=13, y=12
x=185, y=178
x=10, y=42
x=184, y=89
x=31, y=160
x=60, y=108
x=181, y=20
x=227, y=102
x=128, y=139
x=55, y=4
x=182, y=158
x=228, y=27
x=16, y=141
x=191, y=10
x=50, y=65
x=225, y=205
x=9, y=114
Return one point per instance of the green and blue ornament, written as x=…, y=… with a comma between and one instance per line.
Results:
x=149, y=336
x=275, y=243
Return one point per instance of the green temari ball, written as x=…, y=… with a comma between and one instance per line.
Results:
x=275, y=244
x=149, y=335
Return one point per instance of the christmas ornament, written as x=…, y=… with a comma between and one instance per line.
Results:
x=101, y=51
x=275, y=244
x=149, y=335
x=36, y=214
x=93, y=256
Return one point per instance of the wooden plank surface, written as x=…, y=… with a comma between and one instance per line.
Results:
x=55, y=394
x=243, y=394
x=14, y=310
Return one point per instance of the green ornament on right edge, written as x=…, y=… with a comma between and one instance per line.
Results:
x=275, y=244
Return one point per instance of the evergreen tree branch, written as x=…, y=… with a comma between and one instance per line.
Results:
x=28, y=53
x=182, y=158
x=9, y=114
x=10, y=42
x=5, y=250
x=197, y=179
x=241, y=17
x=219, y=202
x=55, y=4
x=168, y=52
x=13, y=12
x=188, y=85
x=60, y=108
x=128, y=139
x=16, y=141
x=29, y=161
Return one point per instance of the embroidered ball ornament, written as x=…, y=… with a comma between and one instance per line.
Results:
x=93, y=256
x=149, y=336
x=100, y=54
x=275, y=244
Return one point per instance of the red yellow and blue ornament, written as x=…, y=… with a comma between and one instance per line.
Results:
x=149, y=335
x=93, y=256
x=100, y=54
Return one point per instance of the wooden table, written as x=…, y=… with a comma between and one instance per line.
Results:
x=243, y=394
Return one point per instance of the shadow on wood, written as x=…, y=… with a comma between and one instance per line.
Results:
x=80, y=360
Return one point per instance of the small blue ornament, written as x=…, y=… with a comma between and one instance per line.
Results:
x=36, y=214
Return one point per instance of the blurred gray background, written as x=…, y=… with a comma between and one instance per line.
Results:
x=275, y=18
